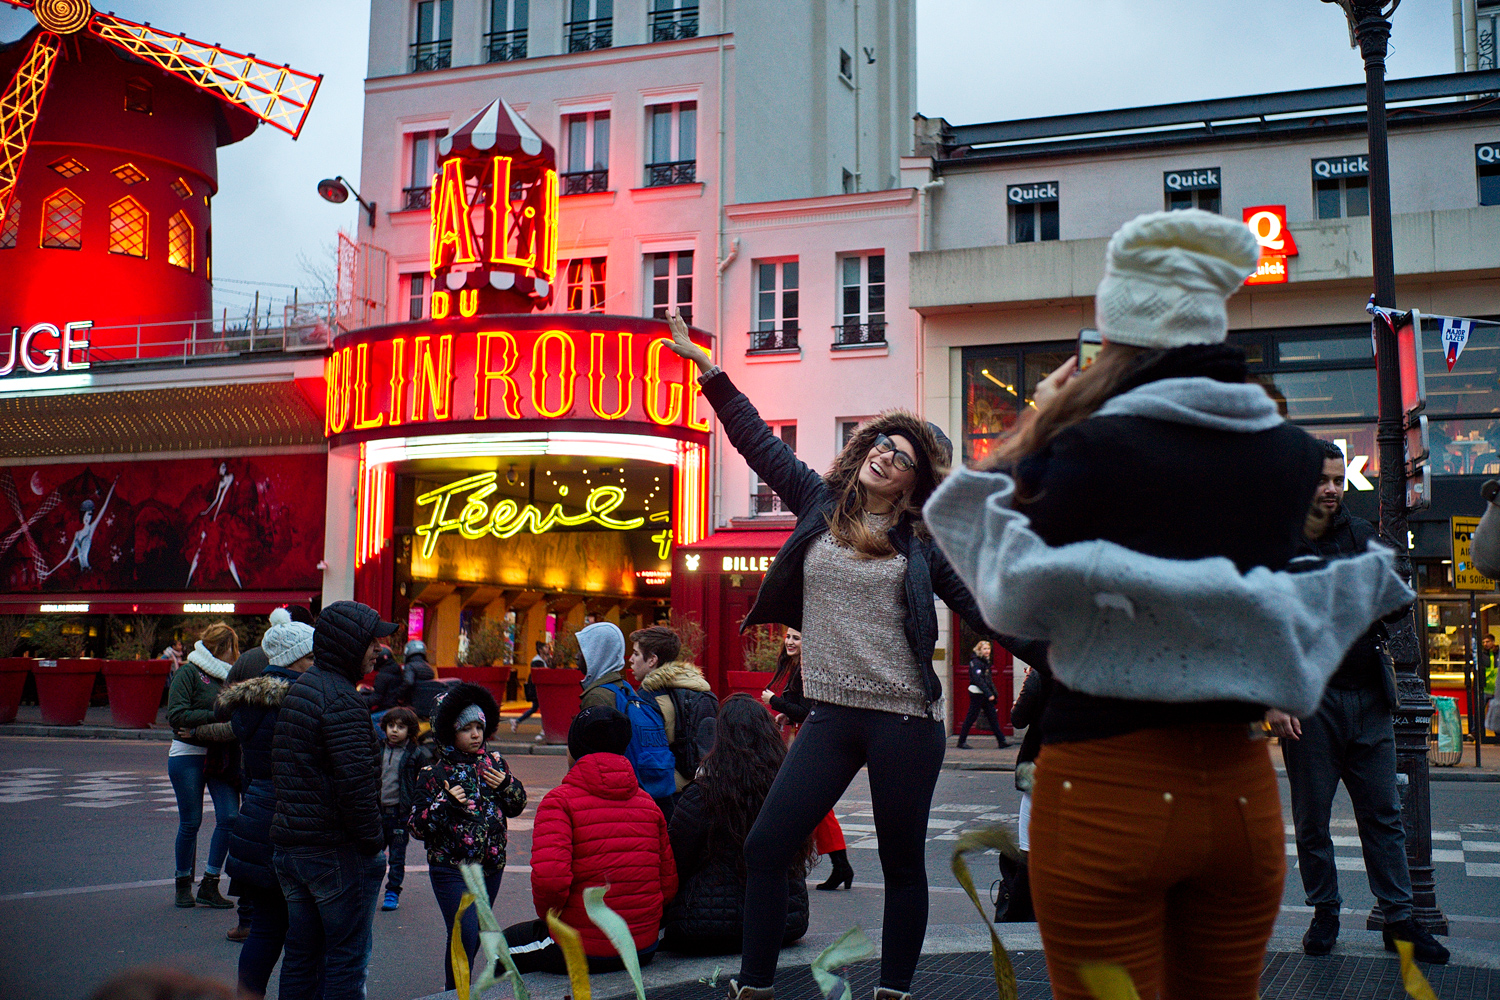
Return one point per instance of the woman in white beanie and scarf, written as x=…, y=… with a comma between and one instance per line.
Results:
x=1157, y=499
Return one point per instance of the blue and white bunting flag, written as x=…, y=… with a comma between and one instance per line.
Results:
x=1456, y=332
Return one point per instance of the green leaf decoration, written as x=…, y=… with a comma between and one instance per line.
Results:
x=989, y=838
x=492, y=947
x=614, y=927
x=852, y=946
x=1107, y=981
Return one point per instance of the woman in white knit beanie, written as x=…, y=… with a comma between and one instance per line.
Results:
x=1156, y=498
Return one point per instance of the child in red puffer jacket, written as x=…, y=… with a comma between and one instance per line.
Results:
x=596, y=828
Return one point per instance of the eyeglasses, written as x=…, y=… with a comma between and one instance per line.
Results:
x=899, y=458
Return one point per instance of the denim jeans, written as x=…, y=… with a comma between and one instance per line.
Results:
x=396, y=838
x=262, y=949
x=330, y=903
x=448, y=886
x=188, y=779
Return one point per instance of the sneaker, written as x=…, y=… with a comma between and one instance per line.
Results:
x=1424, y=947
x=392, y=901
x=1323, y=932
x=515, y=724
x=541, y=737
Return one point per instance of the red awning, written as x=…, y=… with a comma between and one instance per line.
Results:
x=237, y=603
x=768, y=540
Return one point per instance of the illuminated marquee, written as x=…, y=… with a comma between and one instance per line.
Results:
x=402, y=379
x=478, y=518
x=26, y=348
x=1268, y=225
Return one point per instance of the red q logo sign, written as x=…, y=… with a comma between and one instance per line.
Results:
x=1268, y=225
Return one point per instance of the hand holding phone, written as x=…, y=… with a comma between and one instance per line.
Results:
x=1090, y=342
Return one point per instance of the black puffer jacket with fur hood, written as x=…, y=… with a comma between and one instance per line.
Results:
x=252, y=707
x=325, y=757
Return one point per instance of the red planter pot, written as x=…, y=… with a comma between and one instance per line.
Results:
x=135, y=688
x=558, y=692
x=13, y=671
x=751, y=682
x=63, y=688
x=493, y=679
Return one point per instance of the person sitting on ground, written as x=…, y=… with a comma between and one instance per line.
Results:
x=460, y=807
x=401, y=759
x=708, y=828
x=252, y=707
x=686, y=702
x=596, y=828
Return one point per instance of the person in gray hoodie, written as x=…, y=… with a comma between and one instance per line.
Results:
x=601, y=649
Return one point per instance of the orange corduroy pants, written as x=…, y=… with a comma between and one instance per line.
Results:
x=1161, y=851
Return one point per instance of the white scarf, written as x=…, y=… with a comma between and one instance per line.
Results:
x=207, y=662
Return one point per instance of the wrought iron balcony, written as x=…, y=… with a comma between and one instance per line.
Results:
x=765, y=501
x=670, y=25
x=426, y=56
x=667, y=174
x=586, y=36
x=852, y=334
x=771, y=341
x=415, y=198
x=585, y=181
x=505, y=46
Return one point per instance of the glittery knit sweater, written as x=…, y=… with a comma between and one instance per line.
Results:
x=854, y=648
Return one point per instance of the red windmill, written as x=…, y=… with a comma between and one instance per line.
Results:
x=108, y=138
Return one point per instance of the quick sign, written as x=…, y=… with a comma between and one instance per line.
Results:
x=1030, y=194
x=42, y=348
x=1487, y=154
x=1268, y=225
x=1206, y=179
x=1334, y=167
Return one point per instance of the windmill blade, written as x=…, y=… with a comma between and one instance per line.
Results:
x=19, y=106
x=277, y=95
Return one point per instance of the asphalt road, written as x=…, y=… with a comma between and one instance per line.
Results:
x=86, y=830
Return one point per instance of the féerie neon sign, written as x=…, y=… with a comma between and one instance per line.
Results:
x=478, y=518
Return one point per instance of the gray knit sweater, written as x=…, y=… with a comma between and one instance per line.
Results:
x=854, y=648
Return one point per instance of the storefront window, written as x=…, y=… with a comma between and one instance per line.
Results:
x=1465, y=447
x=1326, y=395
x=990, y=403
x=1472, y=387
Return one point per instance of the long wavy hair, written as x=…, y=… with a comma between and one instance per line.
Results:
x=737, y=774
x=786, y=665
x=846, y=522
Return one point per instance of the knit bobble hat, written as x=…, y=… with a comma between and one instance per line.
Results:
x=286, y=641
x=1166, y=276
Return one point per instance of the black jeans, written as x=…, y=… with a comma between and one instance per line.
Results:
x=904, y=754
x=1349, y=738
x=979, y=703
x=533, y=950
x=330, y=903
x=396, y=839
x=262, y=949
x=448, y=886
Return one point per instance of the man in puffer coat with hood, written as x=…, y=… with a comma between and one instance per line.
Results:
x=327, y=830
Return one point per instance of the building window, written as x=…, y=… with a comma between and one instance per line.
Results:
x=129, y=174
x=846, y=66
x=763, y=500
x=127, y=228
x=10, y=230
x=847, y=426
x=1488, y=24
x=672, y=144
x=862, y=306
x=776, y=307
x=672, y=19
x=433, y=46
x=180, y=242
x=138, y=97
x=1192, y=189
x=68, y=167
x=421, y=165
x=506, y=39
x=180, y=189
x=1033, y=211
x=1487, y=163
x=670, y=276
x=62, y=221
x=591, y=25
x=998, y=383
x=1344, y=197
x=587, y=155
x=416, y=296
x=585, y=284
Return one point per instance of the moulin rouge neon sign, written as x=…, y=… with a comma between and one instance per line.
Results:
x=477, y=518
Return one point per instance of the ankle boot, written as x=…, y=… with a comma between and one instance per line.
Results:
x=185, y=891
x=843, y=872
x=886, y=993
x=738, y=992
x=240, y=931
x=208, y=893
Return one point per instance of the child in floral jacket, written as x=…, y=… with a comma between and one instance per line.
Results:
x=461, y=804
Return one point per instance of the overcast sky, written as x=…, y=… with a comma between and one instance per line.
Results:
x=977, y=60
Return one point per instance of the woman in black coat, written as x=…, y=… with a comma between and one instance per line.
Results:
x=708, y=830
x=252, y=707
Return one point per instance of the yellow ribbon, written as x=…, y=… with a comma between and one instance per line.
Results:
x=992, y=837
x=492, y=947
x=572, y=948
x=1107, y=981
x=1416, y=984
x=457, y=954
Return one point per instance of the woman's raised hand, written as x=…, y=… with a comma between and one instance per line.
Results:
x=1048, y=387
x=682, y=344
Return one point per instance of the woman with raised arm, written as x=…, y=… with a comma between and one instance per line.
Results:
x=857, y=577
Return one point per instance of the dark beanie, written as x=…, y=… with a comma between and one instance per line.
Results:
x=599, y=729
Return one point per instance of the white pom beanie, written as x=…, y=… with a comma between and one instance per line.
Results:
x=1166, y=276
x=286, y=641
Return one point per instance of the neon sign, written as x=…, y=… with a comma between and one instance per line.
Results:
x=477, y=518
x=71, y=340
x=1268, y=225
x=382, y=382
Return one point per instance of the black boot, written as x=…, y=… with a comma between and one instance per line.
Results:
x=185, y=891
x=1322, y=933
x=208, y=893
x=1424, y=947
x=842, y=872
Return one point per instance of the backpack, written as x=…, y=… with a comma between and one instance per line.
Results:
x=697, y=724
x=648, y=752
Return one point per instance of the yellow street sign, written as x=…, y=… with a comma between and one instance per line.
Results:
x=1465, y=576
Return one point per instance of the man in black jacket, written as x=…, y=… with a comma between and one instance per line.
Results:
x=982, y=697
x=327, y=831
x=1351, y=739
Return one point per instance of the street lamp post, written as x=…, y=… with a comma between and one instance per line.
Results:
x=1370, y=29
